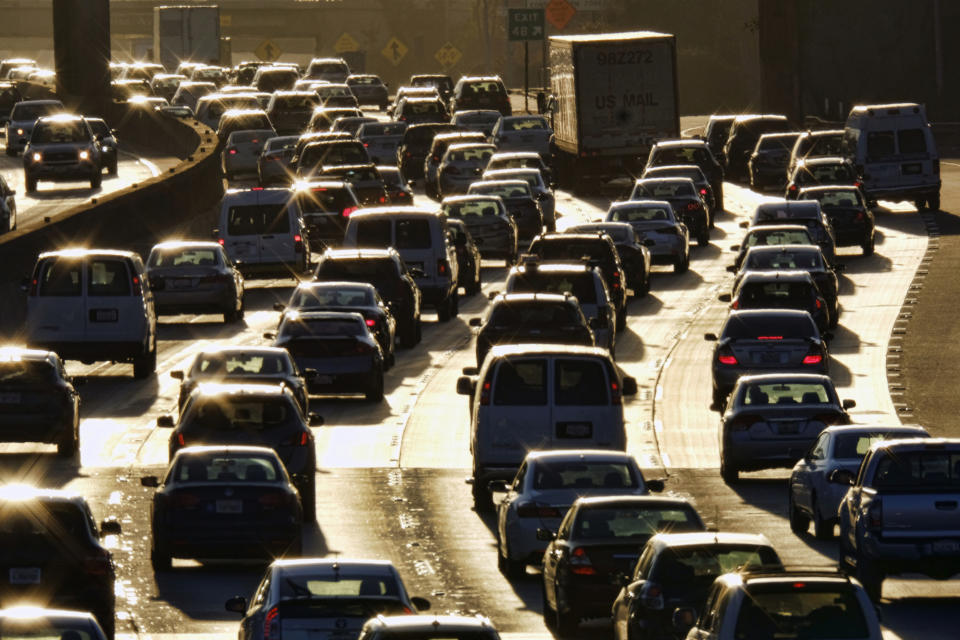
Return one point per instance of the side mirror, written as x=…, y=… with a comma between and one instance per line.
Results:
x=841, y=476
x=649, y=242
x=734, y=247
x=270, y=335
x=731, y=268
x=110, y=527
x=744, y=224
x=315, y=420
x=236, y=604
x=279, y=306
x=710, y=337
x=470, y=371
x=629, y=386
x=849, y=403
x=724, y=297
x=165, y=421
x=421, y=604
x=78, y=381
x=684, y=618
x=475, y=322
x=150, y=481
x=465, y=385
x=827, y=335
x=655, y=485
x=176, y=374
x=545, y=535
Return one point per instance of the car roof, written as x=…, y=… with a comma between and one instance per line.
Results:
x=359, y=253
x=505, y=350
x=538, y=266
x=80, y=252
x=864, y=429
x=563, y=236
x=472, y=197
x=225, y=450
x=682, y=142
x=573, y=455
x=806, y=162
x=522, y=171
x=664, y=168
x=776, y=275
x=333, y=284
x=810, y=378
x=628, y=204
x=324, y=315
x=637, y=501
x=244, y=350
x=663, y=179
x=783, y=248
x=773, y=228
x=431, y=623
x=184, y=244
x=13, y=353
x=779, y=576
x=916, y=444
x=331, y=565
x=321, y=184
x=23, y=492
x=258, y=194
x=545, y=298
x=28, y=612
x=410, y=211
x=708, y=538
x=829, y=187
x=239, y=389
x=783, y=313
x=500, y=155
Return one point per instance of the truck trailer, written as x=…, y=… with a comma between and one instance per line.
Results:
x=186, y=33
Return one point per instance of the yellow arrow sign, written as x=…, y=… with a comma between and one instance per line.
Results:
x=268, y=51
x=394, y=51
x=346, y=42
x=448, y=55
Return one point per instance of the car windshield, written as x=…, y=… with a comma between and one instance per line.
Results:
x=640, y=214
x=784, y=260
x=681, y=568
x=853, y=446
x=515, y=190
x=280, y=142
x=256, y=219
x=798, y=609
x=581, y=285
x=239, y=364
x=60, y=132
x=303, y=328
x=476, y=209
x=631, y=522
x=781, y=393
x=479, y=86
x=915, y=470
x=524, y=124
x=694, y=174
x=331, y=297
x=662, y=189
x=26, y=372
x=226, y=468
x=760, y=295
x=60, y=521
x=184, y=258
x=577, y=474
x=757, y=326
x=99, y=127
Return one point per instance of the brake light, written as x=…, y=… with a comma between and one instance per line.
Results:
x=221, y=241
x=98, y=564
x=383, y=199
x=442, y=267
x=744, y=422
x=298, y=243
x=725, y=356
x=33, y=287
x=875, y=514
x=271, y=626
x=793, y=187
x=186, y=500
x=703, y=192
x=408, y=154
x=799, y=585
x=537, y=510
x=735, y=304
x=180, y=440
x=616, y=279
x=580, y=563
x=232, y=151
x=348, y=211
x=812, y=358
x=693, y=206
x=366, y=144
x=137, y=289
x=615, y=396
x=298, y=440
x=769, y=337
x=485, y=394
x=271, y=500
x=256, y=188
x=371, y=322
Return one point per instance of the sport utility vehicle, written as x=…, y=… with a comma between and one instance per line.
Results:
x=23, y=117
x=480, y=92
x=62, y=148
x=413, y=149
x=326, y=206
x=742, y=139
x=384, y=269
x=51, y=549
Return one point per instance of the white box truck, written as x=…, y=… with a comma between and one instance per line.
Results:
x=186, y=33
x=613, y=95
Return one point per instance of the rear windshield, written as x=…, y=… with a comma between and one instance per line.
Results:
x=219, y=468
x=796, y=236
x=640, y=214
x=184, y=258
x=478, y=155
x=561, y=249
x=295, y=103
x=472, y=209
x=252, y=136
x=584, y=475
x=661, y=190
x=798, y=609
x=422, y=107
x=365, y=80
x=633, y=522
x=825, y=173
x=367, y=269
x=784, y=260
x=853, y=446
x=241, y=413
x=18, y=372
x=477, y=118
x=519, y=190
x=371, y=130
x=694, y=174
x=685, y=568
x=758, y=295
x=239, y=364
x=781, y=393
x=533, y=314
x=107, y=278
x=52, y=520
x=680, y=155
x=580, y=382
x=835, y=198
x=366, y=174
x=280, y=142
x=331, y=91
x=758, y=326
x=301, y=328
x=581, y=285
x=333, y=153
x=421, y=137
x=60, y=132
x=331, y=297
x=524, y=124
x=521, y=383
x=60, y=277
x=776, y=143
x=328, y=68
x=821, y=145
x=928, y=469
x=337, y=585
x=99, y=127
x=787, y=214
x=325, y=200
x=33, y=111
x=477, y=87
x=257, y=219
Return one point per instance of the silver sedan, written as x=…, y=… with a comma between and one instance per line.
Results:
x=195, y=277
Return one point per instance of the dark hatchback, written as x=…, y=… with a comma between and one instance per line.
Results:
x=520, y=202
x=468, y=256
x=852, y=220
x=599, y=542
x=221, y=503
x=542, y=318
x=769, y=235
x=765, y=341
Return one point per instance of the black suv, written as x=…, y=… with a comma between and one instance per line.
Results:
x=326, y=207
x=416, y=144
x=598, y=250
x=691, y=151
x=50, y=550
x=317, y=155
x=480, y=92
x=742, y=140
x=851, y=218
x=384, y=269
x=543, y=318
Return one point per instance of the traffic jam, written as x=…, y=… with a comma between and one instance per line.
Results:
x=371, y=217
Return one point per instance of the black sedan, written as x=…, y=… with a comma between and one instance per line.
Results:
x=683, y=196
x=768, y=235
x=691, y=151
x=765, y=341
x=223, y=502
x=826, y=170
x=599, y=541
x=337, y=347
x=634, y=254
x=519, y=201
x=359, y=297
x=252, y=414
x=468, y=256
x=851, y=218
x=780, y=290
x=774, y=419
x=544, y=318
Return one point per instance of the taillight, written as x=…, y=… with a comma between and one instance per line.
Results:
x=271, y=625
x=735, y=304
x=769, y=337
x=616, y=279
x=33, y=287
x=693, y=206
x=98, y=564
x=485, y=394
x=615, y=395
x=298, y=243
x=651, y=596
x=703, y=192
x=744, y=422
x=366, y=144
x=186, y=500
x=180, y=440
x=271, y=500
x=371, y=322
x=793, y=187
x=859, y=216
x=725, y=356
x=383, y=199
x=580, y=563
x=348, y=211
x=221, y=241
x=442, y=267
x=232, y=152
x=137, y=287
x=537, y=510
x=299, y=440
x=818, y=303
x=812, y=358
x=875, y=514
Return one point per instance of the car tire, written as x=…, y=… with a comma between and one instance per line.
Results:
x=308, y=500
x=870, y=577
x=511, y=569
x=96, y=180
x=11, y=151
x=145, y=366
x=69, y=443
x=445, y=310
x=482, y=498
x=160, y=559
x=703, y=238
x=868, y=247
x=112, y=168
x=566, y=623
x=719, y=400
x=644, y=288
x=108, y=622
x=934, y=203
x=730, y=474
x=295, y=549
x=408, y=337
x=822, y=528
x=375, y=392
x=682, y=264
x=455, y=304
x=920, y=204
x=231, y=316
x=799, y=521
x=549, y=616
x=31, y=184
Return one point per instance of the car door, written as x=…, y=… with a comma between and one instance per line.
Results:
x=583, y=415
x=55, y=307
x=114, y=301
x=276, y=241
x=808, y=470
x=518, y=418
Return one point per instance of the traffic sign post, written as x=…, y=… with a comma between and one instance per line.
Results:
x=524, y=25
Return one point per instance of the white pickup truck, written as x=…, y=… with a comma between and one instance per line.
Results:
x=902, y=512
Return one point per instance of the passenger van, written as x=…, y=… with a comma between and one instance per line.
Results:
x=263, y=231
x=93, y=305
x=423, y=241
x=893, y=148
x=538, y=397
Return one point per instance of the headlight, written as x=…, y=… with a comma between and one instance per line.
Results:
x=19, y=132
x=84, y=154
x=37, y=156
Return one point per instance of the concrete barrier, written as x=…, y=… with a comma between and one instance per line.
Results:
x=132, y=218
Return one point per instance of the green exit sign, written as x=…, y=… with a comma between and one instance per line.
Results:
x=525, y=24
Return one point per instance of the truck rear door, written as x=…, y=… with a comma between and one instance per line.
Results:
x=114, y=311
x=518, y=417
x=584, y=414
x=55, y=306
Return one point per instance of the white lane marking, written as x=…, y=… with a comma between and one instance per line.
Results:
x=151, y=167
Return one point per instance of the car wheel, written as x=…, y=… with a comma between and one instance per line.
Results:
x=108, y=622
x=644, y=288
x=454, y=304
x=160, y=558
x=375, y=392
x=871, y=577
x=566, y=622
x=548, y=613
x=482, y=499
x=295, y=550
x=799, y=521
x=96, y=180
x=934, y=203
x=822, y=527
x=308, y=500
x=445, y=310
x=512, y=569
x=418, y=331
x=703, y=238
x=868, y=247
x=144, y=366
x=920, y=204
x=11, y=151
x=69, y=443
x=682, y=264
x=31, y=184
x=730, y=474
x=112, y=168
x=719, y=400
x=231, y=316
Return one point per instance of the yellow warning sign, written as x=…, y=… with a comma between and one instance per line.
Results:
x=346, y=42
x=394, y=51
x=448, y=55
x=268, y=51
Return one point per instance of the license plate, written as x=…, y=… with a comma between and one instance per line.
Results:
x=182, y=283
x=25, y=575
x=103, y=315
x=574, y=429
x=788, y=428
x=229, y=506
x=912, y=169
x=943, y=546
x=767, y=357
x=415, y=265
x=10, y=398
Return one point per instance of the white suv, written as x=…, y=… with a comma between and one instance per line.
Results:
x=93, y=305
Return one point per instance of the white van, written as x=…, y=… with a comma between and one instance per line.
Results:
x=535, y=397
x=893, y=149
x=424, y=242
x=93, y=305
x=263, y=232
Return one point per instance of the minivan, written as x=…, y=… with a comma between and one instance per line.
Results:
x=263, y=232
x=423, y=241
x=893, y=148
x=530, y=397
x=93, y=305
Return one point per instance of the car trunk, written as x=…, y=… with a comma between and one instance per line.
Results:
x=204, y=504
x=772, y=352
x=338, y=618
